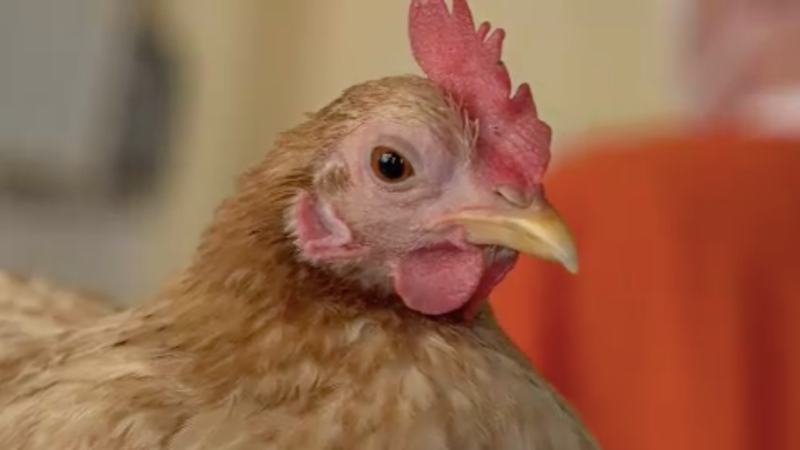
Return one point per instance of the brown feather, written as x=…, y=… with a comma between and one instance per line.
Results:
x=32, y=307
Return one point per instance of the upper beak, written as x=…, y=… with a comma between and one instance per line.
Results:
x=538, y=231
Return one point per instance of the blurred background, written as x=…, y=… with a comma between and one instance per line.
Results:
x=122, y=124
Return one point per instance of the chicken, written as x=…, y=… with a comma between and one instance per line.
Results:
x=336, y=300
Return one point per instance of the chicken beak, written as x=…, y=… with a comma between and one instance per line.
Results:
x=538, y=231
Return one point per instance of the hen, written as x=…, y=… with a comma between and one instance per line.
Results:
x=335, y=301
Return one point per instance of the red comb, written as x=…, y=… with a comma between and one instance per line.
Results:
x=513, y=143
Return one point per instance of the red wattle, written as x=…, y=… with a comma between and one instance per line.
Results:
x=440, y=280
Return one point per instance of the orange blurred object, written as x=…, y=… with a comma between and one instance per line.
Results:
x=682, y=329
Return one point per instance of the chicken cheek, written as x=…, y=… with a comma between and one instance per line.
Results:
x=320, y=233
x=438, y=281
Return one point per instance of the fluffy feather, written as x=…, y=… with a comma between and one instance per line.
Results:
x=32, y=307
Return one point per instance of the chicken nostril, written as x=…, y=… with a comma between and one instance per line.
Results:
x=515, y=197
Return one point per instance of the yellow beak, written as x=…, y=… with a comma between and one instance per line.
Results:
x=539, y=231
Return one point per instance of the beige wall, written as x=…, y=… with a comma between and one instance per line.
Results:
x=253, y=66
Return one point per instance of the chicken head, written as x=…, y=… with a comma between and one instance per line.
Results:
x=405, y=197
x=435, y=184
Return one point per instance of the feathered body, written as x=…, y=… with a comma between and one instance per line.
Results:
x=303, y=322
x=32, y=307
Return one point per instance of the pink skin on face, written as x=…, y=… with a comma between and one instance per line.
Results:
x=434, y=270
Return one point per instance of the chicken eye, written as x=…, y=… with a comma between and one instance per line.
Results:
x=390, y=166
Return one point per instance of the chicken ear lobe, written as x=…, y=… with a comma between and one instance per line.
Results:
x=319, y=232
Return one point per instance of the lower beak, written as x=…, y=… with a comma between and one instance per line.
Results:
x=538, y=231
